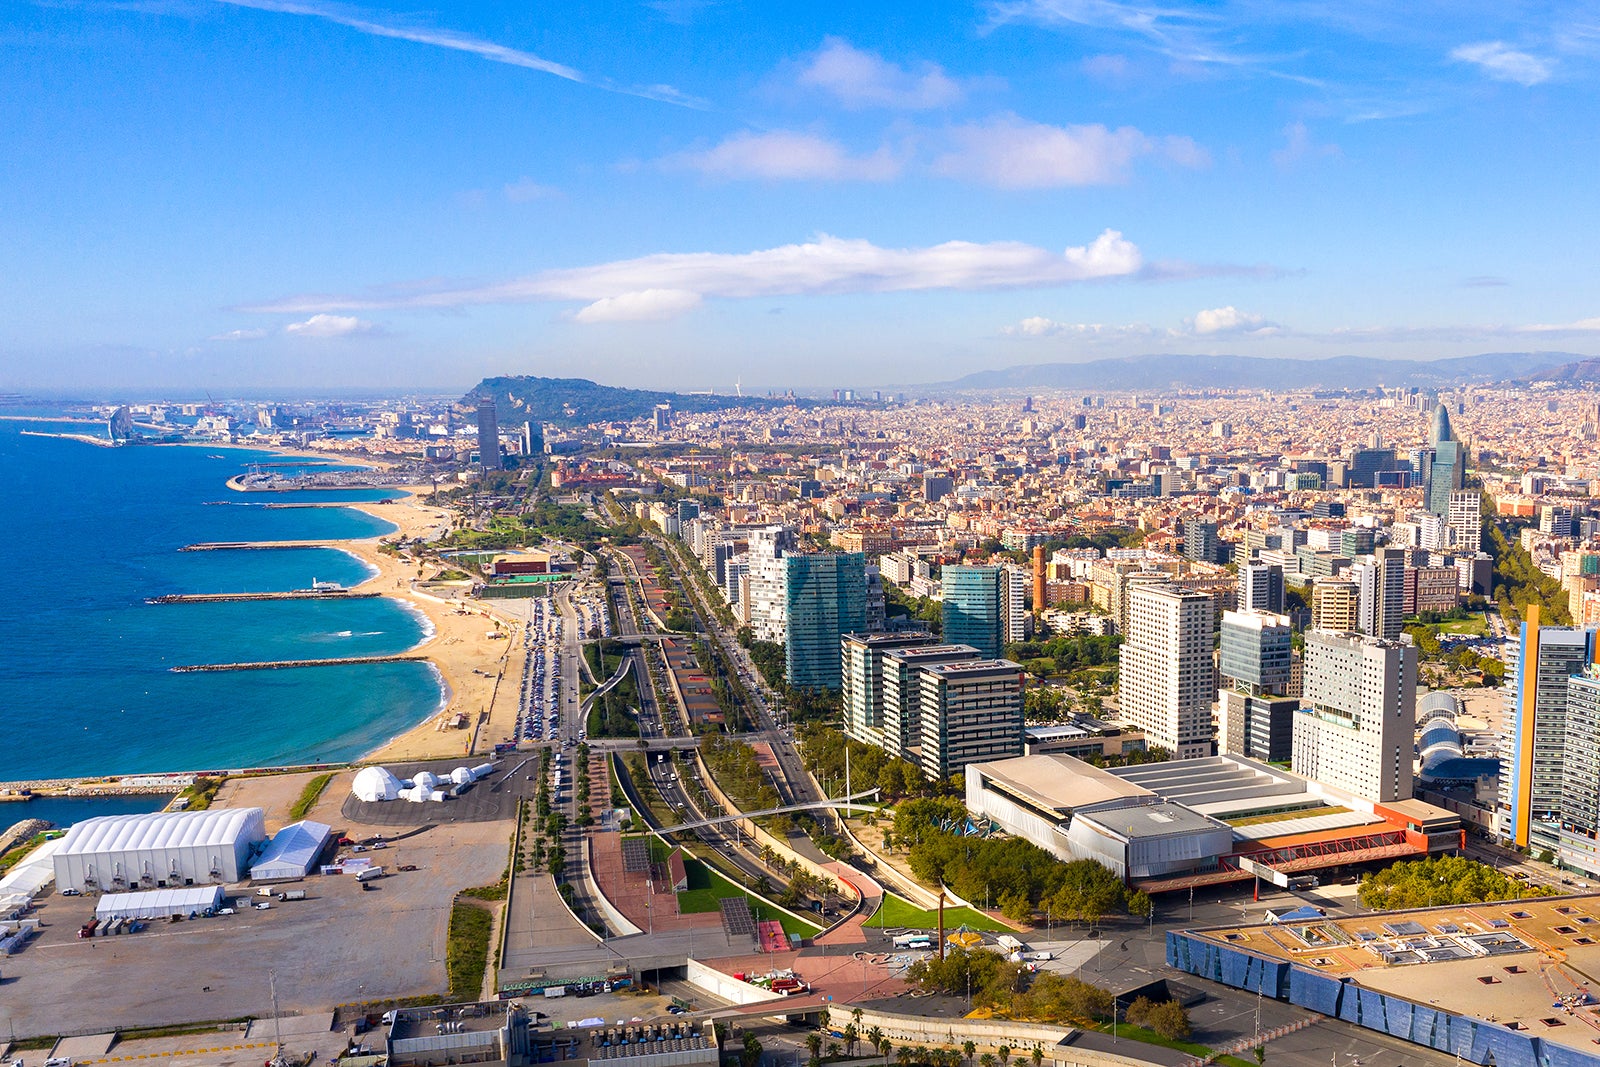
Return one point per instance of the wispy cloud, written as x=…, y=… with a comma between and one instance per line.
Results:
x=1298, y=147
x=523, y=190
x=1041, y=326
x=1230, y=322
x=825, y=265
x=461, y=42
x=1503, y=63
x=1012, y=153
x=781, y=155
x=858, y=79
x=323, y=327
x=239, y=335
x=648, y=305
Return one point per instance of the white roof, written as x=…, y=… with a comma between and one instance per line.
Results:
x=150, y=902
x=163, y=829
x=34, y=871
x=295, y=846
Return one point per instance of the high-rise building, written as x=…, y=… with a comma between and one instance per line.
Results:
x=1382, y=583
x=488, y=435
x=936, y=486
x=1040, y=600
x=1166, y=676
x=1201, y=543
x=902, y=707
x=825, y=597
x=1257, y=727
x=1335, y=605
x=1357, y=728
x=765, y=608
x=1466, y=521
x=1255, y=652
x=862, y=656
x=972, y=609
x=1580, y=775
x=1543, y=659
x=662, y=418
x=1261, y=587
x=970, y=711
x=1014, y=598
x=1447, y=469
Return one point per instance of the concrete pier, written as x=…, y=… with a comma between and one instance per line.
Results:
x=285, y=664
x=220, y=546
x=225, y=598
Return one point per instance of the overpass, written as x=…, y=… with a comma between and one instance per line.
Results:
x=842, y=802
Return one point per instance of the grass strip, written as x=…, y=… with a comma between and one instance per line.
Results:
x=308, y=796
x=897, y=911
x=467, y=950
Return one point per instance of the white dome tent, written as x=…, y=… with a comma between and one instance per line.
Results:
x=374, y=784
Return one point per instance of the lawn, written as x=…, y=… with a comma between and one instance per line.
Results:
x=707, y=888
x=1150, y=1037
x=1473, y=625
x=467, y=950
x=897, y=911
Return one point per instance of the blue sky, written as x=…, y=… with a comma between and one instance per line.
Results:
x=691, y=193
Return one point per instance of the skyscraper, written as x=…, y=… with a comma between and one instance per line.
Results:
x=1201, y=543
x=1357, y=730
x=1335, y=605
x=1255, y=652
x=825, y=597
x=1014, y=598
x=1580, y=774
x=902, y=699
x=972, y=608
x=1381, y=579
x=765, y=606
x=1532, y=759
x=488, y=435
x=1166, y=677
x=1466, y=521
x=863, y=658
x=971, y=712
x=1261, y=587
x=1448, y=468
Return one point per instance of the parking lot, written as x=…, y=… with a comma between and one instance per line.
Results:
x=492, y=800
x=340, y=944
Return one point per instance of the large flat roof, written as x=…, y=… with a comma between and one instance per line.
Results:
x=1059, y=782
x=1505, y=962
x=217, y=827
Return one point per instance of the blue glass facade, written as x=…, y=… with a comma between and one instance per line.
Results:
x=826, y=598
x=972, y=608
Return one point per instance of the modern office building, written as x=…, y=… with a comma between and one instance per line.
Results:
x=862, y=655
x=1466, y=521
x=1201, y=543
x=825, y=597
x=1166, y=677
x=1256, y=653
x=764, y=605
x=1381, y=580
x=1257, y=726
x=1016, y=594
x=1335, y=605
x=1261, y=587
x=972, y=606
x=1579, y=834
x=1356, y=730
x=1543, y=659
x=902, y=692
x=488, y=435
x=970, y=711
x=1447, y=469
x=936, y=486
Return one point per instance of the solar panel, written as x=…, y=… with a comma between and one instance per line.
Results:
x=636, y=856
x=736, y=917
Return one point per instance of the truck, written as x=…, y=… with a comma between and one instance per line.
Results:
x=912, y=940
x=292, y=894
x=555, y=991
x=1009, y=943
x=371, y=874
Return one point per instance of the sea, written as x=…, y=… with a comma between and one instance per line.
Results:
x=85, y=681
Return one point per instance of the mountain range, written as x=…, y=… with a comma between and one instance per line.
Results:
x=1157, y=372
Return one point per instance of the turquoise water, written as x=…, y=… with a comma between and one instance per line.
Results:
x=85, y=687
x=64, y=811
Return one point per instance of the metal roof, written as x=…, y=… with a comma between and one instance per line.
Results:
x=163, y=829
x=293, y=848
x=1058, y=782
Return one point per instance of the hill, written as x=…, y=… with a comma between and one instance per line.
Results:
x=1156, y=372
x=576, y=401
x=1584, y=371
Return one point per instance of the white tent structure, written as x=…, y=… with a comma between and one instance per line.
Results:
x=34, y=871
x=375, y=783
x=292, y=852
x=159, y=903
x=159, y=849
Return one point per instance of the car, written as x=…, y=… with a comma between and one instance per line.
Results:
x=673, y=1009
x=380, y=844
x=225, y=911
x=406, y=867
x=58, y=1061
x=72, y=892
x=261, y=905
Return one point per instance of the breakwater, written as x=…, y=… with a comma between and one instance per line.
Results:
x=249, y=546
x=286, y=664
x=293, y=594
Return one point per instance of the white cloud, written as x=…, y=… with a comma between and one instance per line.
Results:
x=1040, y=326
x=1229, y=320
x=525, y=189
x=787, y=155
x=324, y=326
x=824, y=265
x=647, y=305
x=858, y=79
x=1298, y=145
x=460, y=42
x=1014, y=153
x=239, y=335
x=1504, y=63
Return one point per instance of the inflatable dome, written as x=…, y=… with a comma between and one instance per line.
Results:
x=375, y=783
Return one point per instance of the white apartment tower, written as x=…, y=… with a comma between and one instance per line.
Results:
x=1166, y=677
x=1466, y=521
x=1358, y=727
x=765, y=609
x=1016, y=592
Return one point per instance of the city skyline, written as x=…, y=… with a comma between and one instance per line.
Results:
x=266, y=193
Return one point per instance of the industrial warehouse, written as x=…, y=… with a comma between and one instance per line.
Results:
x=1187, y=823
x=159, y=850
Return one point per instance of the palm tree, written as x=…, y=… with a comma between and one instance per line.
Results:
x=851, y=1036
x=1261, y=1054
x=967, y=1049
x=833, y=1050
x=875, y=1039
x=1005, y=1055
x=884, y=1047
x=1038, y=1056
x=986, y=1060
x=814, y=1043
x=855, y=1017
